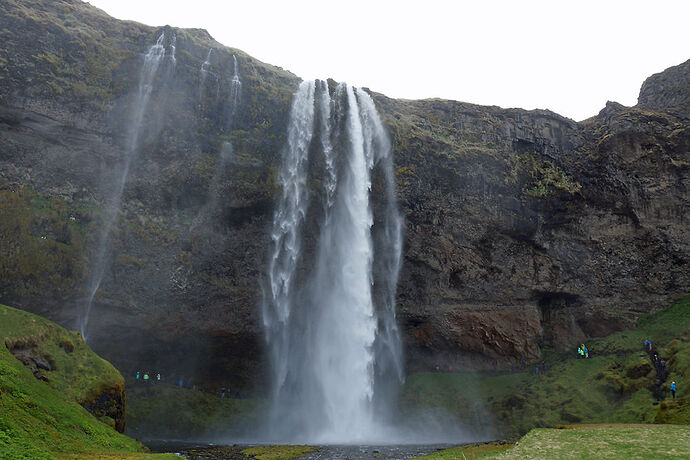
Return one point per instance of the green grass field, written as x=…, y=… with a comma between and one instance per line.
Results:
x=471, y=452
x=603, y=442
x=583, y=442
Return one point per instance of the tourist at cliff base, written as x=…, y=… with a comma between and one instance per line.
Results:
x=673, y=389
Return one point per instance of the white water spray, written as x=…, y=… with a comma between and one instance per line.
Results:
x=322, y=324
x=152, y=62
x=204, y=73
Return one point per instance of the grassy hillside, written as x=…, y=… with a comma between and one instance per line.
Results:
x=43, y=419
x=616, y=385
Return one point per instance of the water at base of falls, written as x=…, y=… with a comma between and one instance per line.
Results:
x=330, y=452
x=329, y=313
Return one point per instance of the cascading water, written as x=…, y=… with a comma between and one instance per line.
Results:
x=152, y=62
x=327, y=336
x=173, y=48
x=287, y=225
x=226, y=150
x=204, y=73
x=235, y=85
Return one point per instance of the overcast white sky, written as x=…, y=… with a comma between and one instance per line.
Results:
x=570, y=56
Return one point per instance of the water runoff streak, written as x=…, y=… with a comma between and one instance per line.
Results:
x=226, y=150
x=152, y=62
x=329, y=305
x=204, y=73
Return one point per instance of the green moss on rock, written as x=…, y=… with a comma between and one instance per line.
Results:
x=45, y=418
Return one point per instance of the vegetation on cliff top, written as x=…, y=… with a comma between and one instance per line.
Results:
x=43, y=419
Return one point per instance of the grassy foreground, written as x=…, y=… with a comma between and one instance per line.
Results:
x=471, y=452
x=582, y=442
x=44, y=420
x=614, y=386
x=614, y=442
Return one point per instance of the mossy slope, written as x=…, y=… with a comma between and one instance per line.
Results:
x=44, y=420
x=616, y=385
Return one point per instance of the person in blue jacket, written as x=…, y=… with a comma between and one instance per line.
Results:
x=673, y=389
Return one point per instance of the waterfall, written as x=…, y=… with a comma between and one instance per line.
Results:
x=204, y=72
x=326, y=146
x=326, y=334
x=152, y=62
x=292, y=208
x=235, y=84
x=173, y=48
x=226, y=150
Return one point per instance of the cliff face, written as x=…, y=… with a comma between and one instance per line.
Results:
x=524, y=229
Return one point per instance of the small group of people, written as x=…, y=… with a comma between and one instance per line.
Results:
x=660, y=366
x=145, y=377
x=583, y=351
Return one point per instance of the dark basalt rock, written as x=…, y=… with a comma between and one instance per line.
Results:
x=668, y=91
x=110, y=402
x=42, y=364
